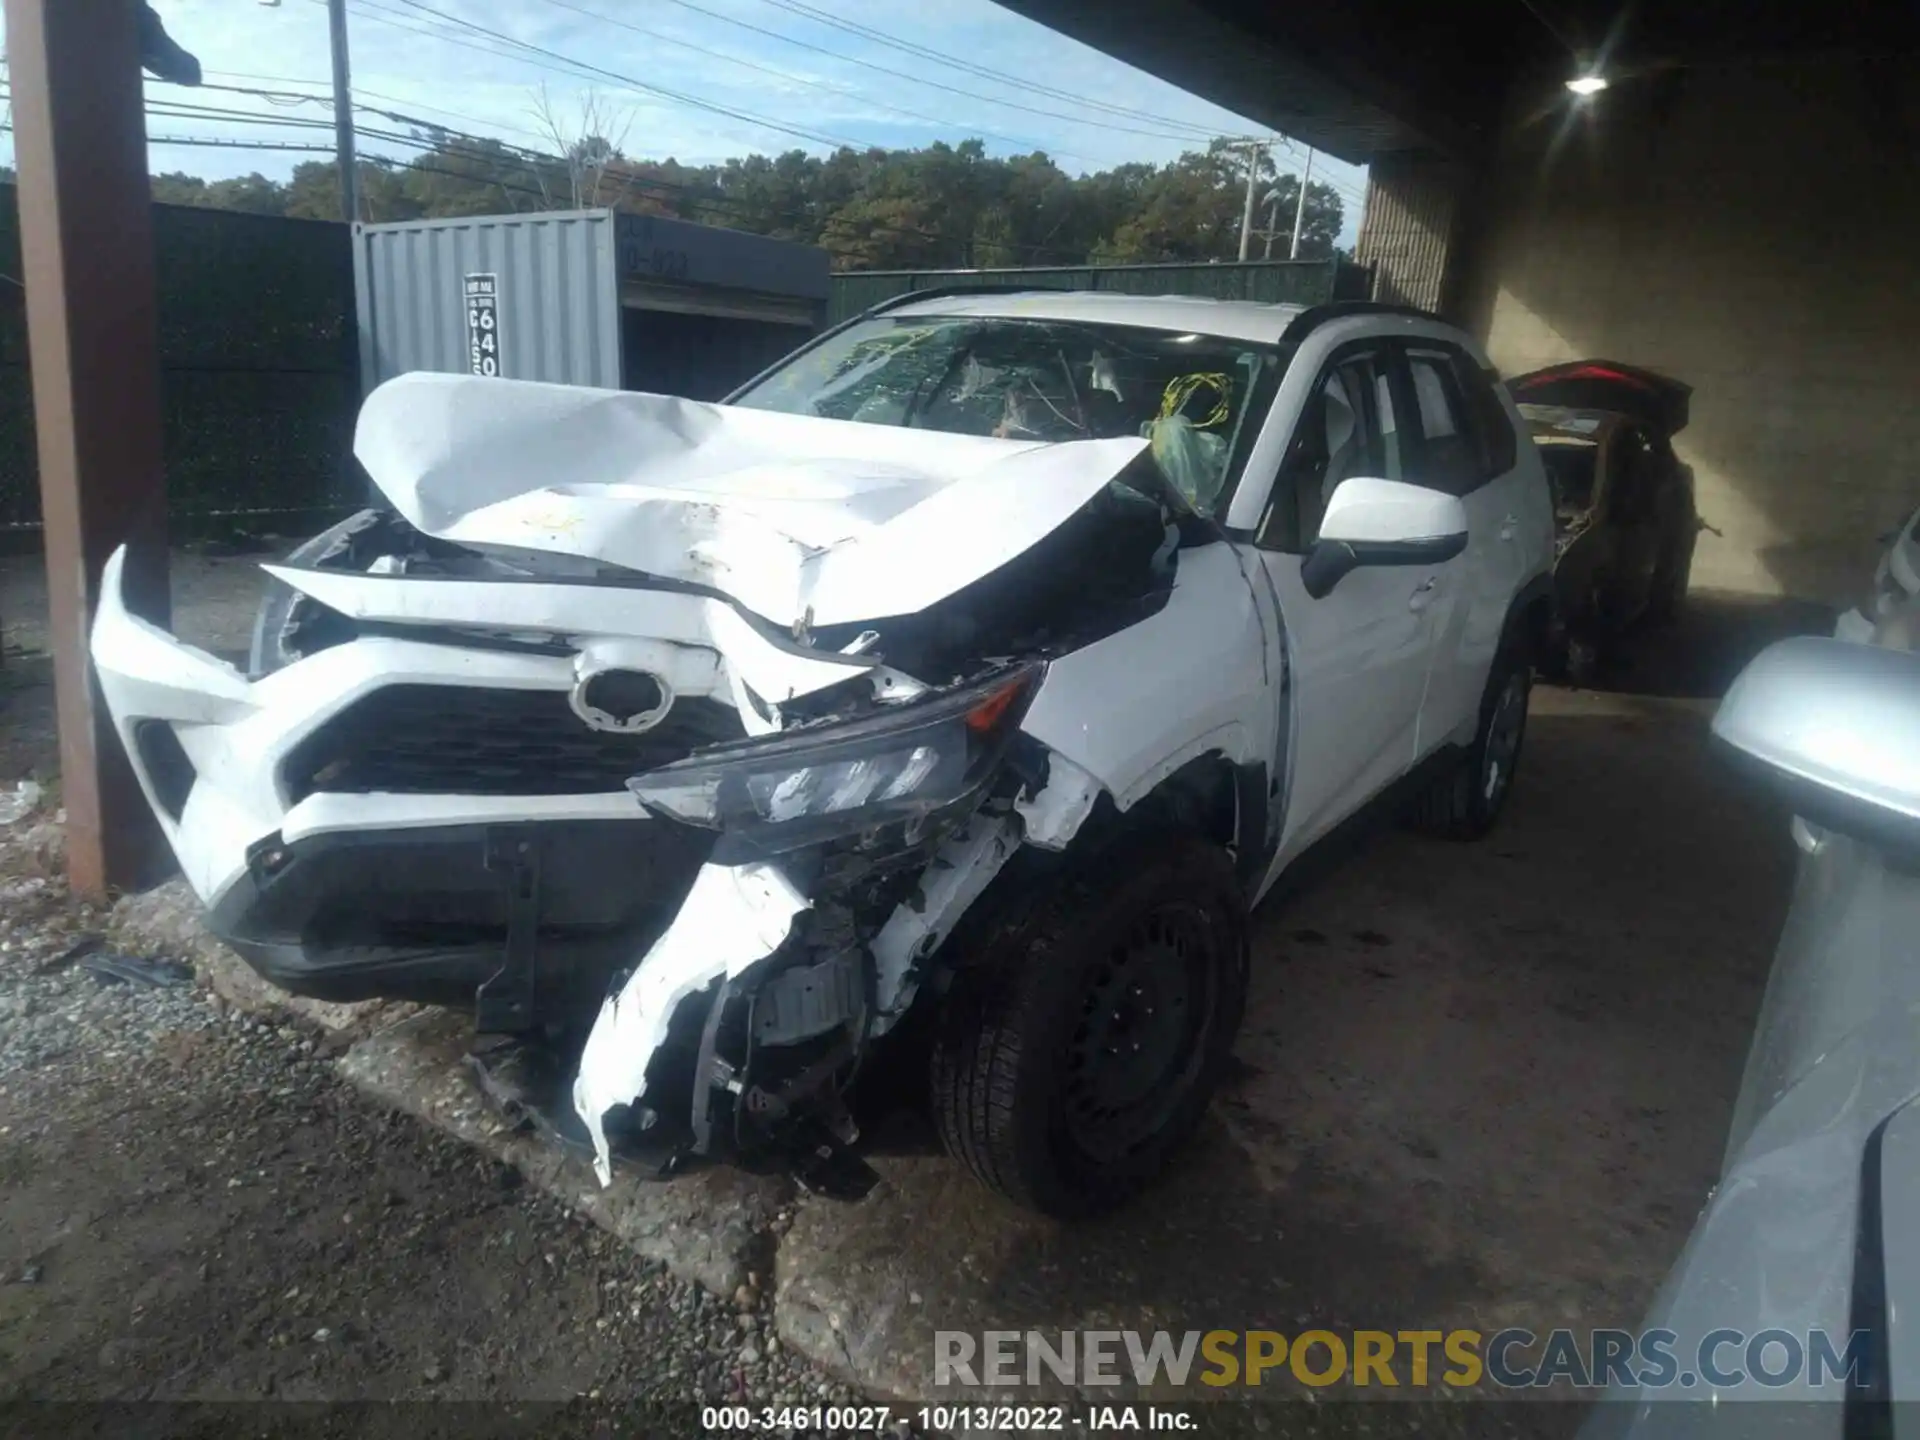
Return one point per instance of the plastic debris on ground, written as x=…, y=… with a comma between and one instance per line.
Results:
x=22, y=802
x=110, y=968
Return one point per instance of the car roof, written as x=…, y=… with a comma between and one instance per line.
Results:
x=1181, y=314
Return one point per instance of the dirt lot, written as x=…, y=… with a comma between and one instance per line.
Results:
x=1480, y=1085
x=196, y=1208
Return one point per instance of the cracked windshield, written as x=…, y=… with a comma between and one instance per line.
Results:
x=1196, y=398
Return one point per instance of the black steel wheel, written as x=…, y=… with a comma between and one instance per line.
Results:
x=1139, y=1042
x=1088, y=1025
x=1463, y=801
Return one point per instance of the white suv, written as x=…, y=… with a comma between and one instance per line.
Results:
x=955, y=690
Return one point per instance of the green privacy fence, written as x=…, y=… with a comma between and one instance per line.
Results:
x=259, y=371
x=1271, y=282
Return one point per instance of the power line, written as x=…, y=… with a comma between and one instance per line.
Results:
x=984, y=72
x=358, y=89
x=660, y=90
x=921, y=79
x=221, y=144
x=799, y=79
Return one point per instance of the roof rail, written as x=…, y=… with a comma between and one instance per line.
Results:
x=944, y=292
x=1315, y=316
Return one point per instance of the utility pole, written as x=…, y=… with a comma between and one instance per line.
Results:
x=1300, y=207
x=1254, y=147
x=1273, y=219
x=343, y=113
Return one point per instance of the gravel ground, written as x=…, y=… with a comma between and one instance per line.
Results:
x=50, y=1005
x=196, y=1208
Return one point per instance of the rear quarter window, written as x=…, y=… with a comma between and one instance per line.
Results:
x=1499, y=446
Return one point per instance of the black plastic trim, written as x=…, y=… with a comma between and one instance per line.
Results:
x=168, y=766
x=1310, y=320
x=1328, y=561
x=1867, y=1412
x=422, y=915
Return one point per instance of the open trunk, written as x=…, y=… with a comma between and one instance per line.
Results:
x=1603, y=385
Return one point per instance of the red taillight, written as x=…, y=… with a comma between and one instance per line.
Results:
x=1589, y=372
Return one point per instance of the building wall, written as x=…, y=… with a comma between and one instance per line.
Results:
x=1407, y=228
x=1751, y=230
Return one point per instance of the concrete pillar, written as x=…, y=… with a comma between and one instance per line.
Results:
x=1416, y=203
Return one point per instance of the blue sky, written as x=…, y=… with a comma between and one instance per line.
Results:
x=737, y=55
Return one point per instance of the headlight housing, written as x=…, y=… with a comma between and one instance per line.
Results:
x=905, y=766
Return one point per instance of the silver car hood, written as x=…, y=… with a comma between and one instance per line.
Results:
x=802, y=520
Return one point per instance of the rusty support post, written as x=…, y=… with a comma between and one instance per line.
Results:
x=86, y=245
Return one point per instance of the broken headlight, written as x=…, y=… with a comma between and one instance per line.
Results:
x=903, y=765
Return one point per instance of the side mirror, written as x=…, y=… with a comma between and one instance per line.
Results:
x=1382, y=522
x=1836, y=726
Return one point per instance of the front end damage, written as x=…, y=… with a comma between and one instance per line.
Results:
x=697, y=796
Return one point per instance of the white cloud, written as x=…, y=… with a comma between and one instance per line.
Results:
x=846, y=87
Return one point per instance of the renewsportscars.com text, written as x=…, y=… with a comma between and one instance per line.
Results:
x=1515, y=1359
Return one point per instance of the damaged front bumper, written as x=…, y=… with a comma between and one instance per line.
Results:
x=384, y=816
x=325, y=864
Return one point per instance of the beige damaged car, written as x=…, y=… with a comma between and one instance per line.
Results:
x=1624, y=517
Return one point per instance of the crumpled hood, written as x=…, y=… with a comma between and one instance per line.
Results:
x=802, y=520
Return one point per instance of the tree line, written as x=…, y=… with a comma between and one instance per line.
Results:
x=935, y=207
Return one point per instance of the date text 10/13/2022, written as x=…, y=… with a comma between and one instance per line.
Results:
x=976, y=1419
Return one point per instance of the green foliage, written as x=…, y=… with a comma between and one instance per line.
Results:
x=938, y=207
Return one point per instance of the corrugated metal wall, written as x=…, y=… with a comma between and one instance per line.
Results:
x=558, y=301
x=1406, y=231
x=1271, y=282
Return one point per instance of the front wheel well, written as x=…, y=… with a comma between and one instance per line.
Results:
x=1209, y=796
x=1201, y=797
x=1531, y=624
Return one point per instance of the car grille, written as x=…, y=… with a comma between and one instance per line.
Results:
x=454, y=740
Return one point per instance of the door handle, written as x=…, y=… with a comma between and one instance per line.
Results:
x=1508, y=526
x=1423, y=595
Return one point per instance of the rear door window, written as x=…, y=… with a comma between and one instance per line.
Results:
x=1450, y=458
x=1499, y=445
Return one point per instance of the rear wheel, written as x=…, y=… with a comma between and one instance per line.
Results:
x=1670, y=581
x=1463, y=801
x=1083, y=1038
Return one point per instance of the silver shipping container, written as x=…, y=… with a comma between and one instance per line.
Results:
x=583, y=297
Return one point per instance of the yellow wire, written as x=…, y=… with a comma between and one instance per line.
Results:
x=1180, y=389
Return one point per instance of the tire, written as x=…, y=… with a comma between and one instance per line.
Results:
x=1142, y=943
x=1463, y=801
x=1580, y=665
x=1670, y=583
